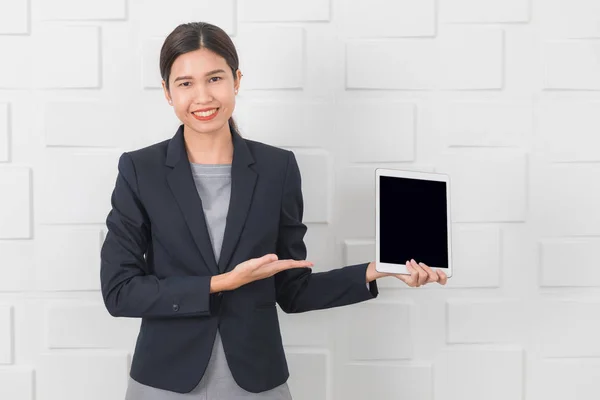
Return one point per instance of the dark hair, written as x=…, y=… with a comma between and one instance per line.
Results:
x=194, y=36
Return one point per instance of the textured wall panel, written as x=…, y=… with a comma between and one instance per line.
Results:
x=476, y=256
x=76, y=187
x=571, y=65
x=388, y=382
x=284, y=122
x=458, y=59
x=485, y=10
x=485, y=321
x=488, y=124
x=16, y=72
x=309, y=375
x=567, y=328
x=15, y=203
x=89, y=326
x=14, y=17
x=568, y=130
x=6, y=334
x=82, y=375
x=314, y=170
x=400, y=18
x=67, y=57
x=275, y=10
x=567, y=379
x=486, y=185
x=304, y=329
x=16, y=383
x=473, y=374
x=157, y=18
x=4, y=132
x=104, y=123
x=68, y=258
x=391, y=323
x=377, y=131
x=555, y=254
x=273, y=56
x=16, y=266
x=569, y=18
x=90, y=10
x=565, y=199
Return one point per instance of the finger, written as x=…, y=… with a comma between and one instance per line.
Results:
x=422, y=274
x=264, y=264
x=414, y=275
x=443, y=277
x=266, y=259
x=289, y=264
x=432, y=275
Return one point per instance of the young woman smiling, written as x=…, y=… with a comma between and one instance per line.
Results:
x=205, y=237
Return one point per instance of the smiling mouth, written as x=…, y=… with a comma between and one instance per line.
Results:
x=205, y=114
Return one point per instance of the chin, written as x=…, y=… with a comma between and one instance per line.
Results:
x=207, y=127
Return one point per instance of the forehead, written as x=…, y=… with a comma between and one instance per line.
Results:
x=197, y=63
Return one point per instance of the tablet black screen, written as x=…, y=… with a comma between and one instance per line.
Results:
x=413, y=221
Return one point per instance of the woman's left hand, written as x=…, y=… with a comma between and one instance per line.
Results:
x=420, y=274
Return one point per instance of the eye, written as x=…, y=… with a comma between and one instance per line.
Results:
x=215, y=77
x=184, y=84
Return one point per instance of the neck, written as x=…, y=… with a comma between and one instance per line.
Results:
x=209, y=148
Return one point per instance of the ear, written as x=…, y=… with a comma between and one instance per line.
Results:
x=238, y=75
x=166, y=92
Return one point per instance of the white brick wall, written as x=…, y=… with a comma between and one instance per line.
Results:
x=484, y=10
x=14, y=17
x=272, y=56
x=16, y=383
x=4, y=132
x=401, y=18
x=478, y=373
x=459, y=58
x=501, y=94
x=16, y=71
x=571, y=65
x=15, y=214
x=77, y=10
x=75, y=63
x=6, y=334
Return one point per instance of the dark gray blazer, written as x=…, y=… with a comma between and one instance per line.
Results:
x=157, y=262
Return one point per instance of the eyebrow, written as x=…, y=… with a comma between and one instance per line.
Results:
x=216, y=71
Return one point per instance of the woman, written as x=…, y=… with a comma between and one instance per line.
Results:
x=205, y=236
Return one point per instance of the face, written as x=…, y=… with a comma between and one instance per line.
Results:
x=202, y=91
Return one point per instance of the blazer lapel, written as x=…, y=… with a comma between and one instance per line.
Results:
x=182, y=185
x=243, y=181
x=181, y=182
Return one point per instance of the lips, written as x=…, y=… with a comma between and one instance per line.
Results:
x=207, y=115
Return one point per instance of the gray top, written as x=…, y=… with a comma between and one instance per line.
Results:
x=213, y=182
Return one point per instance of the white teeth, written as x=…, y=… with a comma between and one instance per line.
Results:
x=205, y=113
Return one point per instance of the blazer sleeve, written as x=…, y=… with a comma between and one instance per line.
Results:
x=300, y=289
x=128, y=289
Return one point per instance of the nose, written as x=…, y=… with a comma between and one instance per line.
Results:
x=202, y=94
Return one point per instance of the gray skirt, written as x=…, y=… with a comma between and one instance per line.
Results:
x=216, y=384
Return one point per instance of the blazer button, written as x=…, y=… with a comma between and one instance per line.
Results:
x=175, y=307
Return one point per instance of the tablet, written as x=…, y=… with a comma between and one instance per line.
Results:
x=412, y=220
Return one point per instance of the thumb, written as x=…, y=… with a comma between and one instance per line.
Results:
x=402, y=277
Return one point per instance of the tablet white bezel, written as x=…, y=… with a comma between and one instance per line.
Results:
x=430, y=176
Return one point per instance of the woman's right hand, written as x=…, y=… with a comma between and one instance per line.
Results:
x=261, y=268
